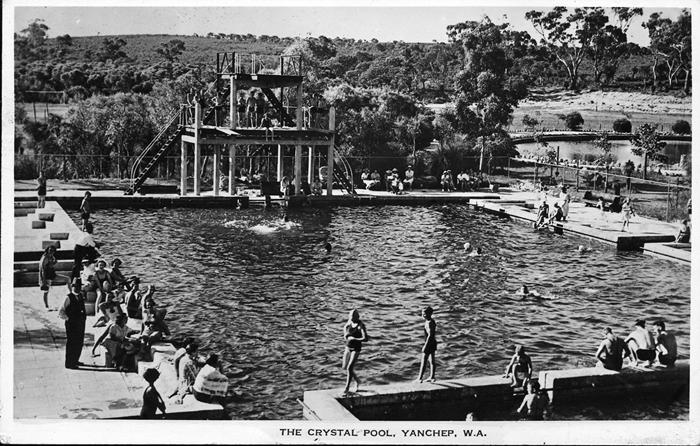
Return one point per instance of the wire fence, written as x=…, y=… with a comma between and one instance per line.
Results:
x=659, y=196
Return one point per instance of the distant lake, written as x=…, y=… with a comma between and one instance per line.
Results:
x=621, y=150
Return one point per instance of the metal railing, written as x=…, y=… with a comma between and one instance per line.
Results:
x=164, y=132
x=228, y=63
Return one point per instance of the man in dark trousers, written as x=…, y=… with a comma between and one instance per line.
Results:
x=73, y=313
x=85, y=247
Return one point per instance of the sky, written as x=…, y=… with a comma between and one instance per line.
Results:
x=407, y=23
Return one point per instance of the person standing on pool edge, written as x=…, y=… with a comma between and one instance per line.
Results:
x=41, y=190
x=355, y=334
x=430, y=345
x=85, y=209
x=73, y=313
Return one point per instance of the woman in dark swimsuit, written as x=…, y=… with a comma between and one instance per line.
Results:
x=355, y=333
x=430, y=345
x=103, y=281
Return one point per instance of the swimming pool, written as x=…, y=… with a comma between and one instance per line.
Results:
x=273, y=303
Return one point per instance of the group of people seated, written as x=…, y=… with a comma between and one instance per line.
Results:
x=287, y=187
x=643, y=347
x=197, y=375
x=117, y=300
x=392, y=181
x=558, y=212
x=466, y=181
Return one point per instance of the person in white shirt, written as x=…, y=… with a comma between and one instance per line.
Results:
x=210, y=385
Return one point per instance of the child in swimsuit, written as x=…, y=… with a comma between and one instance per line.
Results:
x=519, y=368
x=355, y=334
x=430, y=345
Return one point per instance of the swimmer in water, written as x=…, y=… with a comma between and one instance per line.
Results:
x=468, y=247
x=474, y=252
x=328, y=248
x=524, y=291
x=582, y=249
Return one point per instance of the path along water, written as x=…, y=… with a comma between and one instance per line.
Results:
x=273, y=303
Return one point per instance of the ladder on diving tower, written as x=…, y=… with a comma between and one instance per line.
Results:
x=150, y=156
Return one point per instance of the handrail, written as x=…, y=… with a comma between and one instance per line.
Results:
x=154, y=141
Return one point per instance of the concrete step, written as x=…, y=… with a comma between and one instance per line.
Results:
x=26, y=204
x=46, y=216
x=59, y=236
x=31, y=278
x=38, y=224
x=46, y=243
x=23, y=212
x=32, y=266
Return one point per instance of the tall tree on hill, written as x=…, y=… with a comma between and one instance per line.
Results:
x=670, y=42
x=646, y=142
x=172, y=49
x=486, y=95
x=609, y=44
x=111, y=49
x=569, y=37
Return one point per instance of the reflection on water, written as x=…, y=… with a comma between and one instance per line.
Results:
x=273, y=303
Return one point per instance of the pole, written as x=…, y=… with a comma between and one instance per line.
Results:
x=232, y=169
x=668, y=198
x=577, y=172
x=331, y=149
x=183, y=168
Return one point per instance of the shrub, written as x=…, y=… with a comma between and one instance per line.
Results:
x=530, y=122
x=622, y=126
x=681, y=127
x=573, y=120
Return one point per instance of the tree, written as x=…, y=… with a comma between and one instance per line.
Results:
x=646, y=142
x=573, y=120
x=569, y=37
x=609, y=44
x=111, y=49
x=35, y=33
x=622, y=125
x=530, y=122
x=171, y=50
x=486, y=94
x=671, y=43
x=681, y=127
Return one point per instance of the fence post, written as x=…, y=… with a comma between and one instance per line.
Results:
x=668, y=198
x=577, y=172
x=678, y=182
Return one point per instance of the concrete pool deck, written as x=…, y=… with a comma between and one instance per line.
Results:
x=44, y=388
x=583, y=220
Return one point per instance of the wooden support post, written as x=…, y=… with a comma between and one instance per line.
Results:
x=280, y=166
x=310, y=172
x=215, y=171
x=233, y=105
x=197, y=151
x=183, y=168
x=232, y=169
x=297, y=148
x=331, y=150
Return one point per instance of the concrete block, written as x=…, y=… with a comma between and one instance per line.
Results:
x=59, y=236
x=31, y=210
x=46, y=243
x=46, y=216
x=38, y=224
x=26, y=204
x=21, y=212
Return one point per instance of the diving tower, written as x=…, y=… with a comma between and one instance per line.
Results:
x=215, y=126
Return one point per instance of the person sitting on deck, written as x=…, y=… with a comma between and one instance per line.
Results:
x=154, y=328
x=388, y=179
x=536, y=402
x=210, y=385
x=408, y=178
x=133, y=298
x=148, y=304
x=250, y=109
x=641, y=344
x=395, y=181
x=463, y=181
x=316, y=187
x=151, y=398
x=186, y=370
x=266, y=123
x=446, y=181
x=284, y=186
x=375, y=180
x=115, y=339
x=102, y=280
x=611, y=351
x=519, y=368
x=684, y=233
x=666, y=345
x=557, y=214
x=118, y=279
x=542, y=214
x=110, y=308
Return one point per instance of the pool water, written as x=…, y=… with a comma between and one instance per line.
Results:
x=270, y=300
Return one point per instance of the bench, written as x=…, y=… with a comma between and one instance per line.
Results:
x=611, y=203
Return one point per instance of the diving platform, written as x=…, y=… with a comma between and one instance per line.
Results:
x=209, y=135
